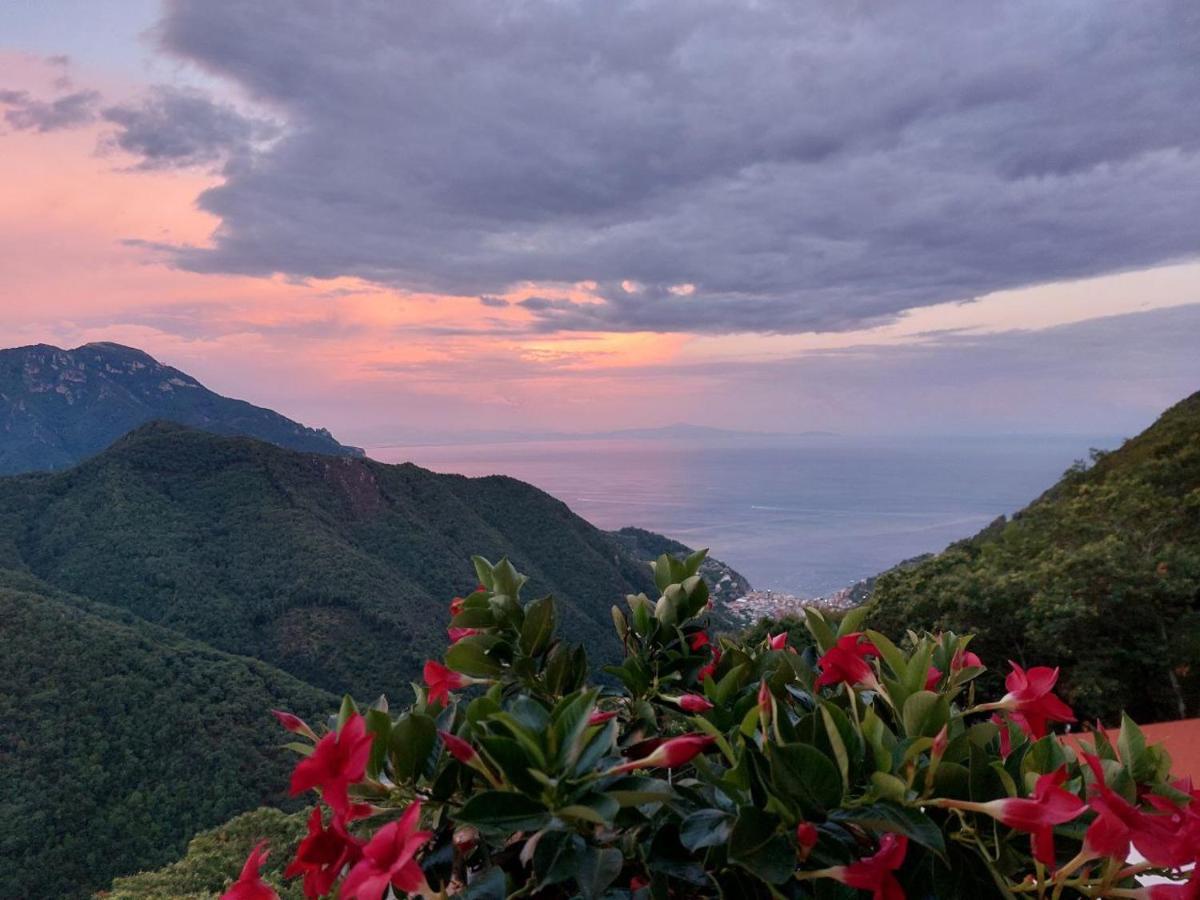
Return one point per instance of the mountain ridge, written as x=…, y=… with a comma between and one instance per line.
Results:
x=58, y=406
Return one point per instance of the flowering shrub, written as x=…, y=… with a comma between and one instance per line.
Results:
x=709, y=769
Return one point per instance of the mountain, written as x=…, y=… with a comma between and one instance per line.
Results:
x=1100, y=576
x=335, y=569
x=60, y=406
x=121, y=739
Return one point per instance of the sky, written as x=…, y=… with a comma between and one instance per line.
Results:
x=402, y=219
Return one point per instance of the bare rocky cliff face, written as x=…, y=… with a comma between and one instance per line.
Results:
x=58, y=406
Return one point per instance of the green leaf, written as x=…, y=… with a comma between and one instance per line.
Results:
x=557, y=857
x=470, y=658
x=413, y=737
x=506, y=579
x=379, y=724
x=599, y=809
x=756, y=844
x=483, y=571
x=1131, y=744
x=888, y=816
x=804, y=775
x=348, y=708
x=636, y=790
x=541, y=620
x=705, y=828
x=925, y=713
x=503, y=811
x=598, y=869
x=819, y=628
x=491, y=885
x=852, y=621
x=836, y=742
x=891, y=654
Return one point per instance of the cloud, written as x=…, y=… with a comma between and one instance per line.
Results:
x=174, y=127
x=803, y=166
x=494, y=302
x=27, y=113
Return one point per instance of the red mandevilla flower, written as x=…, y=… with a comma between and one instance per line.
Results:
x=1164, y=840
x=846, y=662
x=777, y=641
x=457, y=634
x=874, y=873
x=459, y=749
x=806, y=839
x=250, y=885
x=389, y=859
x=707, y=671
x=338, y=761
x=698, y=640
x=294, y=724
x=599, y=718
x=1030, y=701
x=456, y=606
x=669, y=754
x=693, y=703
x=766, y=703
x=1049, y=806
x=932, y=677
x=442, y=681
x=323, y=855
x=964, y=659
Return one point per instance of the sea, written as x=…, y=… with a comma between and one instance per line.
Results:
x=806, y=515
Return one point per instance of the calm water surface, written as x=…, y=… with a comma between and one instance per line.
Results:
x=806, y=516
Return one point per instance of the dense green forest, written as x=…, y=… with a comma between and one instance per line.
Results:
x=120, y=740
x=58, y=407
x=337, y=570
x=212, y=856
x=1100, y=575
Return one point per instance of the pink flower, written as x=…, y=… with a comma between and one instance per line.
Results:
x=1030, y=701
x=456, y=606
x=1049, y=806
x=294, y=724
x=442, y=681
x=323, y=855
x=338, y=761
x=846, y=662
x=669, y=754
x=693, y=703
x=389, y=859
x=457, y=634
x=459, y=749
x=599, y=718
x=250, y=885
x=777, y=641
x=874, y=873
x=932, y=677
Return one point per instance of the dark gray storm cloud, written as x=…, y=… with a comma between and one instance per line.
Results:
x=25, y=112
x=177, y=127
x=803, y=165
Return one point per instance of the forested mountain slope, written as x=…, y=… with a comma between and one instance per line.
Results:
x=1100, y=575
x=119, y=740
x=60, y=406
x=337, y=570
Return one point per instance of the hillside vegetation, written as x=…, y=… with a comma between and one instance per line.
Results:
x=120, y=740
x=60, y=406
x=1101, y=576
x=337, y=570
